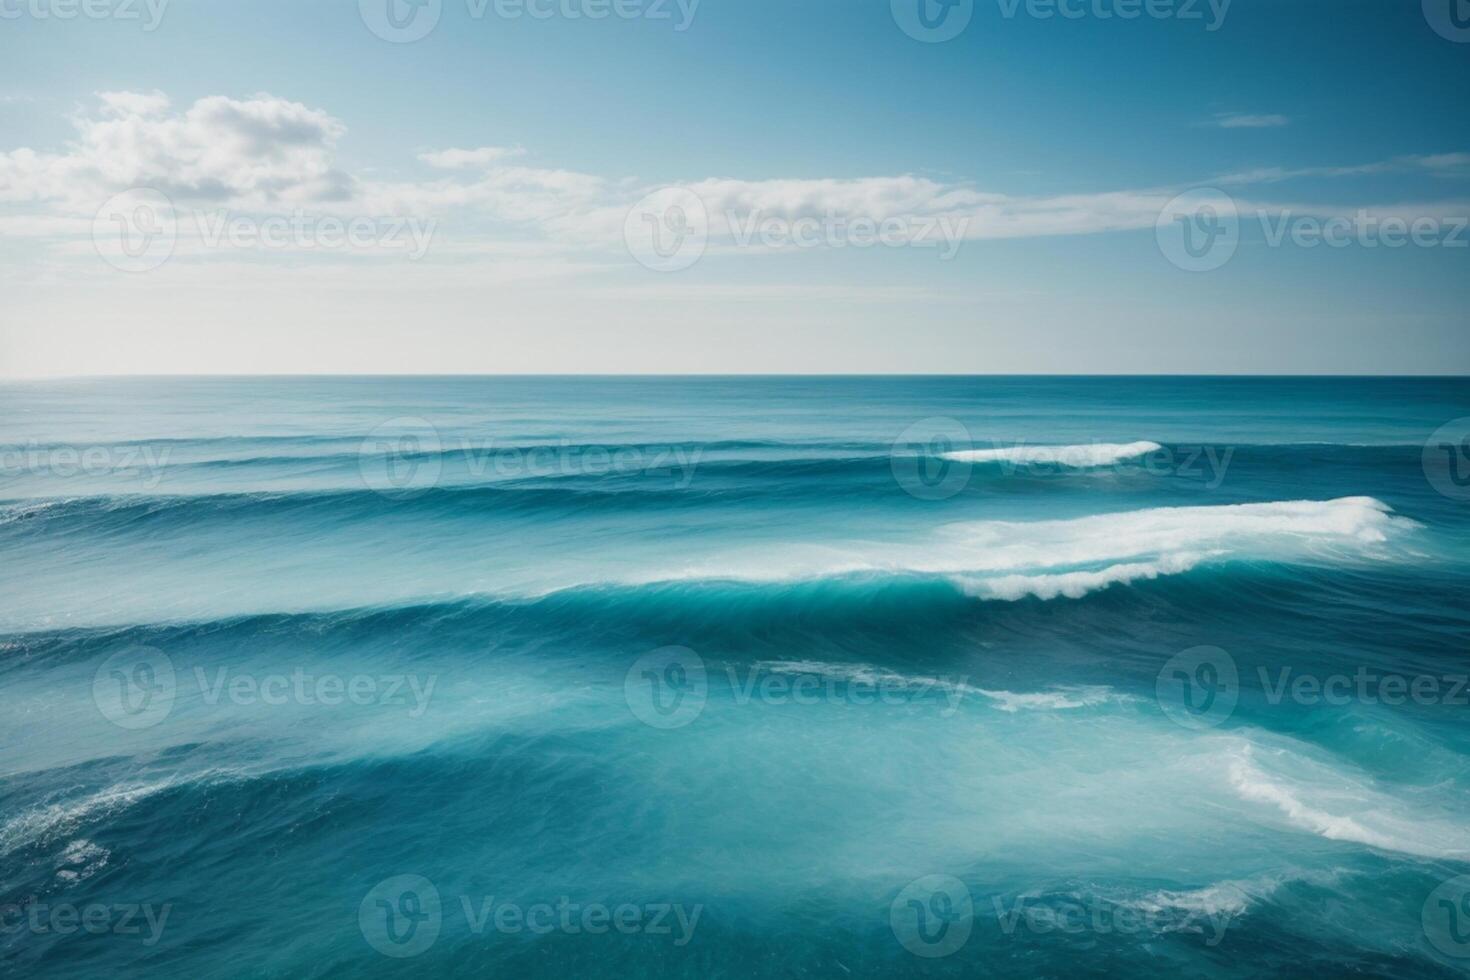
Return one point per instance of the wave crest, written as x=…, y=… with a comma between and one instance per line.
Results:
x=1079, y=456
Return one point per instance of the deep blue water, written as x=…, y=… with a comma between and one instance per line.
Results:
x=710, y=677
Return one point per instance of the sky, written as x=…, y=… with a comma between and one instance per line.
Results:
x=732, y=186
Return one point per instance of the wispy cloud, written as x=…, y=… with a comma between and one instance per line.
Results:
x=1248, y=120
x=1437, y=165
x=456, y=159
x=270, y=155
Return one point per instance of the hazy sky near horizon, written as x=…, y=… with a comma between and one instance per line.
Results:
x=734, y=186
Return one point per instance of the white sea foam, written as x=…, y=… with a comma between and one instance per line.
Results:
x=1341, y=807
x=1011, y=559
x=44, y=823
x=1074, y=585
x=1054, y=699
x=1079, y=456
x=1222, y=898
x=80, y=860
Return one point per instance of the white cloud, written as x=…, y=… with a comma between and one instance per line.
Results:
x=133, y=103
x=1440, y=165
x=272, y=155
x=455, y=159
x=1245, y=120
x=259, y=151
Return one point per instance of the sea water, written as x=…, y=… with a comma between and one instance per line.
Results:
x=657, y=677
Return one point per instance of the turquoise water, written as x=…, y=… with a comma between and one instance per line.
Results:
x=734, y=677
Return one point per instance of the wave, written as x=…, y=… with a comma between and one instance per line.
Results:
x=47, y=822
x=882, y=584
x=1340, y=807
x=1054, y=699
x=1019, y=558
x=1079, y=456
x=1075, y=585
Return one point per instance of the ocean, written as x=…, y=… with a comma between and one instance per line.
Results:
x=735, y=677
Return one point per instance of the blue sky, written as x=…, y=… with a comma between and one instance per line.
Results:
x=1051, y=144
